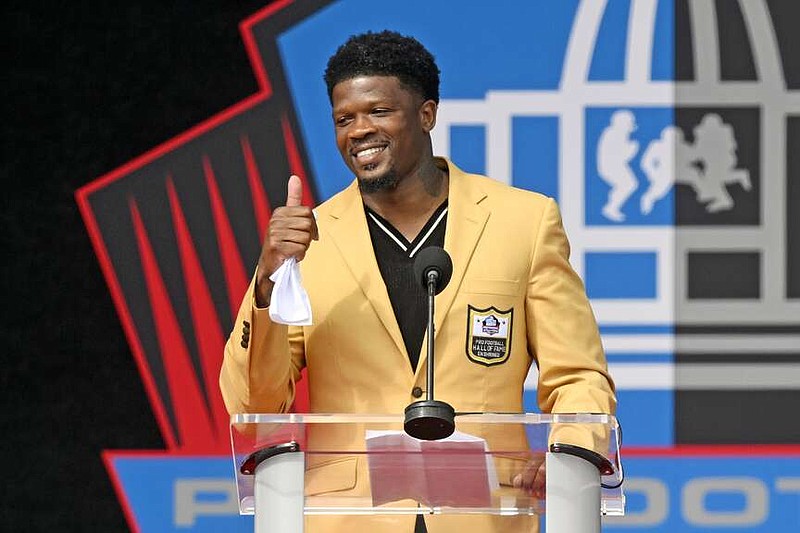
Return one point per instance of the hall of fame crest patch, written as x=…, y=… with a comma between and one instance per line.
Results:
x=489, y=335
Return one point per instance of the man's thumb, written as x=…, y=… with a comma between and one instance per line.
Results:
x=294, y=195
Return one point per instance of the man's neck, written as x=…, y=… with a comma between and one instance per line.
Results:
x=408, y=206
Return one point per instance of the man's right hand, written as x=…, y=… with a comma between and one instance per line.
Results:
x=291, y=230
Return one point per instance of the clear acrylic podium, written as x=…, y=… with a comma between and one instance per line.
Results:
x=292, y=465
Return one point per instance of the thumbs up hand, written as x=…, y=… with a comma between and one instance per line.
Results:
x=291, y=230
x=294, y=192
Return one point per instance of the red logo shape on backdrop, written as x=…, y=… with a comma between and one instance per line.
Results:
x=178, y=230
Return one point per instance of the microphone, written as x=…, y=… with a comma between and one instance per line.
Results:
x=431, y=419
x=433, y=264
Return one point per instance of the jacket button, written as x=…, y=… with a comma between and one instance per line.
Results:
x=416, y=392
x=244, y=343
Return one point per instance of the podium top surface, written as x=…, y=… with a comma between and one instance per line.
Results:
x=365, y=463
x=483, y=418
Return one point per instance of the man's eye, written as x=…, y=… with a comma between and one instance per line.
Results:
x=380, y=111
x=343, y=121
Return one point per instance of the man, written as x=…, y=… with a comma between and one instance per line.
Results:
x=364, y=350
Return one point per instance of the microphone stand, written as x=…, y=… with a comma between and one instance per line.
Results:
x=430, y=419
x=433, y=278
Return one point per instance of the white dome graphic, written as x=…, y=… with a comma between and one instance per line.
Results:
x=702, y=150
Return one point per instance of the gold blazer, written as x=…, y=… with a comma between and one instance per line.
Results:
x=510, y=258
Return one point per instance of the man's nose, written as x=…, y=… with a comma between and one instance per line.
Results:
x=362, y=126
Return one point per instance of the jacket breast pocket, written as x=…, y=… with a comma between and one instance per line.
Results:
x=499, y=287
x=489, y=322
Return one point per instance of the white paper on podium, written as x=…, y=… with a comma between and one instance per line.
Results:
x=456, y=472
x=289, y=302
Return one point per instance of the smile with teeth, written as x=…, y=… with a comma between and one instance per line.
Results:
x=369, y=152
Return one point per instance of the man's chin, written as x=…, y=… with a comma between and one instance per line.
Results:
x=376, y=183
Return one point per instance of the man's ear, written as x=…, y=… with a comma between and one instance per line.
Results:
x=427, y=115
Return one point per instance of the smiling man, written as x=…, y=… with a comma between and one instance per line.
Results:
x=511, y=277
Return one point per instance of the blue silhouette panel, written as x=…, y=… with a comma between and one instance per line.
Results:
x=632, y=160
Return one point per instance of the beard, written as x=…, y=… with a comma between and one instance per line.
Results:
x=384, y=182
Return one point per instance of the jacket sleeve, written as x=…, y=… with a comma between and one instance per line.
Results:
x=262, y=361
x=562, y=331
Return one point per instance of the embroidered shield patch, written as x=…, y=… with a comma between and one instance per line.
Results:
x=489, y=335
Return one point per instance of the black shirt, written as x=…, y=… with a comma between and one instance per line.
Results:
x=395, y=256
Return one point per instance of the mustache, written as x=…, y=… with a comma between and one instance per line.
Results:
x=357, y=145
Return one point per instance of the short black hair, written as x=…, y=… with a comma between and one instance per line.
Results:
x=386, y=53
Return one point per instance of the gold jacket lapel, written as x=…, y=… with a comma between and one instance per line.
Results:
x=349, y=232
x=466, y=219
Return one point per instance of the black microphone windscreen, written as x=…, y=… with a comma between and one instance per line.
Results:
x=433, y=258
